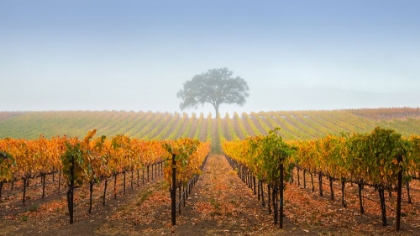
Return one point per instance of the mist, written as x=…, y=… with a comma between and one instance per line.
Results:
x=136, y=55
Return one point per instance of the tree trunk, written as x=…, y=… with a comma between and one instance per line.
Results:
x=343, y=185
x=179, y=197
x=320, y=183
x=104, y=196
x=132, y=179
x=262, y=194
x=184, y=192
x=276, y=209
x=281, y=194
x=148, y=171
x=304, y=178
x=115, y=186
x=1, y=187
x=360, y=185
x=59, y=180
x=399, y=195
x=70, y=192
x=250, y=180
x=70, y=203
x=173, y=191
x=312, y=181
x=254, y=181
x=269, y=199
x=407, y=184
x=138, y=178
x=331, y=187
x=187, y=190
x=124, y=181
x=259, y=190
x=43, y=185
x=216, y=108
x=298, y=177
x=381, y=191
x=13, y=183
x=90, y=195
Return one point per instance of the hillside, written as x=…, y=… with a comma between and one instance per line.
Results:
x=152, y=125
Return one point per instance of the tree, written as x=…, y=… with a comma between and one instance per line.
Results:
x=216, y=86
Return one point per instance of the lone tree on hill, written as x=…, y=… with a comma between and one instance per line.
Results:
x=216, y=86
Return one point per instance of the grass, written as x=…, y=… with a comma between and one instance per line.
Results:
x=33, y=208
x=214, y=203
x=143, y=197
x=23, y=218
x=122, y=208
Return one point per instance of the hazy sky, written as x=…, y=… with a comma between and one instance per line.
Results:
x=135, y=55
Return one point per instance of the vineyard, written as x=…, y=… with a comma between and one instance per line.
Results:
x=380, y=159
x=295, y=125
x=94, y=160
x=151, y=172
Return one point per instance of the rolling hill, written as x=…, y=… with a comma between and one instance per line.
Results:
x=159, y=126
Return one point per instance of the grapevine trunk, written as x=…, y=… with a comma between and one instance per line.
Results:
x=381, y=191
x=90, y=195
x=343, y=185
x=331, y=187
x=407, y=184
x=320, y=184
x=360, y=185
x=104, y=196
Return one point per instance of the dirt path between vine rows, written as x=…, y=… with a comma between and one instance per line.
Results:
x=220, y=204
x=223, y=205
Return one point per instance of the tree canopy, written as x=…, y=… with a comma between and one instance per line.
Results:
x=216, y=86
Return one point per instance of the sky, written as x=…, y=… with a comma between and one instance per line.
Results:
x=136, y=55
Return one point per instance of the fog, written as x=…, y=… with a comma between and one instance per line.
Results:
x=136, y=55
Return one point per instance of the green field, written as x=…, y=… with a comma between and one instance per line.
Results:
x=295, y=125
